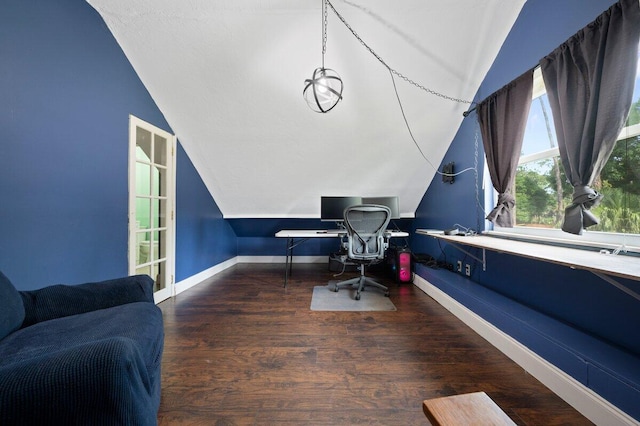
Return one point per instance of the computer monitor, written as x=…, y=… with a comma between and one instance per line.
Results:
x=391, y=202
x=332, y=208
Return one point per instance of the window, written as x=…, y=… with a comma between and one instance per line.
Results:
x=542, y=191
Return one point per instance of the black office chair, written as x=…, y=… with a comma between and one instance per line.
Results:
x=366, y=243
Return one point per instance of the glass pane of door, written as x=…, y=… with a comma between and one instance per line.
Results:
x=151, y=203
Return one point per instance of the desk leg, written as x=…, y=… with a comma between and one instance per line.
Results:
x=288, y=261
x=288, y=265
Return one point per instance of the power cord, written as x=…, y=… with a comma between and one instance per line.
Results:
x=406, y=122
x=344, y=267
x=467, y=231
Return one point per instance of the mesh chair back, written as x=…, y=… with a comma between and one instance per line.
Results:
x=366, y=224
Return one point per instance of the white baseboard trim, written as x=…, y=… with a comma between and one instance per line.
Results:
x=196, y=279
x=282, y=259
x=587, y=402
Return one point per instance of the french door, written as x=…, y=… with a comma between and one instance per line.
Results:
x=151, y=205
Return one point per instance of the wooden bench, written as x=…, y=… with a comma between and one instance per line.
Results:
x=467, y=409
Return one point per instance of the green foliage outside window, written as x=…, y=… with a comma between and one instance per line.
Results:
x=542, y=190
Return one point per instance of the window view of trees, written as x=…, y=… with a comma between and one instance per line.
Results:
x=542, y=190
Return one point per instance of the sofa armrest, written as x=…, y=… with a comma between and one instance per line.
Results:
x=97, y=383
x=60, y=300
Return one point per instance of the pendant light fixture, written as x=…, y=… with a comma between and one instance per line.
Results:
x=323, y=90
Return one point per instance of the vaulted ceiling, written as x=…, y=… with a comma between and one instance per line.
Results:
x=228, y=76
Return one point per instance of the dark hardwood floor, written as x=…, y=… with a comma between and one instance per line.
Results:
x=242, y=350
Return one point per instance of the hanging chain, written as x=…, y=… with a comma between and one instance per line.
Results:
x=324, y=29
x=408, y=80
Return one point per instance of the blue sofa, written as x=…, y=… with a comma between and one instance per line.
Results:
x=80, y=355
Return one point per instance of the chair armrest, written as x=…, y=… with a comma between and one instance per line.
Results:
x=60, y=300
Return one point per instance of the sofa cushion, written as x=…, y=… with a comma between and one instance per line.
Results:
x=11, y=307
x=141, y=322
x=60, y=300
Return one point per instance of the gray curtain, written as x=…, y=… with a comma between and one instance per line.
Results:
x=589, y=81
x=503, y=118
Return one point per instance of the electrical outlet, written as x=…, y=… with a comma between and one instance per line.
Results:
x=459, y=266
x=467, y=270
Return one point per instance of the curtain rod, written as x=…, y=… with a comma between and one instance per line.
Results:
x=467, y=112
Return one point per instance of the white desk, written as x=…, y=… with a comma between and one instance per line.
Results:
x=296, y=237
x=605, y=266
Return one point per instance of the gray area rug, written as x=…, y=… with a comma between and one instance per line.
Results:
x=325, y=299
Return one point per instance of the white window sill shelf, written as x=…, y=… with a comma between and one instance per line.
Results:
x=592, y=241
x=604, y=266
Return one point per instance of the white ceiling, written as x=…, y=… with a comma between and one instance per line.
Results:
x=228, y=76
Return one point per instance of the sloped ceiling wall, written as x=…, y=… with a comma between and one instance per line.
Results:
x=228, y=76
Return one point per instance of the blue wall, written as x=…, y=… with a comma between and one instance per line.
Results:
x=256, y=236
x=67, y=91
x=575, y=297
x=203, y=237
